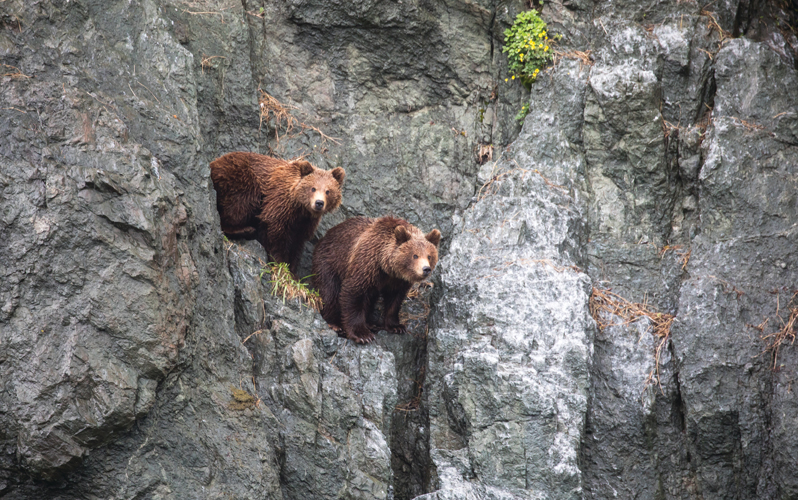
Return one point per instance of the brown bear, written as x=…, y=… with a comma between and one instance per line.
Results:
x=277, y=202
x=360, y=260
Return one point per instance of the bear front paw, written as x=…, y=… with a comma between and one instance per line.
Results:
x=394, y=326
x=361, y=335
x=400, y=328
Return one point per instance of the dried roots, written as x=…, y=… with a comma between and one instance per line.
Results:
x=604, y=305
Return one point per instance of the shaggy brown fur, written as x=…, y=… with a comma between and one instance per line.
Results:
x=280, y=203
x=361, y=259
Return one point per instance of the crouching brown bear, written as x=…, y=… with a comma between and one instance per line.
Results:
x=277, y=202
x=362, y=259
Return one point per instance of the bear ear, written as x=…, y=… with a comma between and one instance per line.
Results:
x=305, y=168
x=401, y=234
x=338, y=174
x=434, y=237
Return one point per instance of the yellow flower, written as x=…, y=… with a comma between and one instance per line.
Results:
x=533, y=45
x=513, y=77
x=547, y=48
x=506, y=79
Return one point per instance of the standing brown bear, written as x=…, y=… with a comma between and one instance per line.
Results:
x=361, y=259
x=278, y=202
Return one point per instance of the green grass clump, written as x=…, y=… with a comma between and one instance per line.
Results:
x=285, y=285
x=526, y=44
x=522, y=114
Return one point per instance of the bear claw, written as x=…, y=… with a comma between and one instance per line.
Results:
x=366, y=339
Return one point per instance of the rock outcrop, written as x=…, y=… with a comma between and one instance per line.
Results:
x=143, y=356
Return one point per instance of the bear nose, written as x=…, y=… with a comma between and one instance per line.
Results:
x=427, y=270
x=319, y=204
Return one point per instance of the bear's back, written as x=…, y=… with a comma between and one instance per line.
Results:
x=241, y=172
x=335, y=248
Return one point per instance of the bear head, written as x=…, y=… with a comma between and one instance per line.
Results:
x=318, y=191
x=414, y=254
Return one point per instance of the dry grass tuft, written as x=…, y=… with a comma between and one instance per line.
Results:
x=415, y=402
x=712, y=24
x=12, y=72
x=749, y=126
x=785, y=334
x=206, y=61
x=683, y=254
x=285, y=285
x=583, y=57
x=484, y=153
x=604, y=303
x=669, y=128
x=706, y=120
x=415, y=313
x=487, y=188
x=208, y=7
x=728, y=287
x=406, y=317
x=272, y=109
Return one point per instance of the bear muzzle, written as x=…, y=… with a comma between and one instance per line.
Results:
x=422, y=269
x=318, y=202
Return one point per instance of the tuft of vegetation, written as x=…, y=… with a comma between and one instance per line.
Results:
x=604, y=304
x=522, y=114
x=484, y=153
x=242, y=400
x=11, y=72
x=285, y=285
x=786, y=331
x=527, y=46
x=273, y=110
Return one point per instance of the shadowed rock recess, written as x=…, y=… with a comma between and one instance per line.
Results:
x=143, y=356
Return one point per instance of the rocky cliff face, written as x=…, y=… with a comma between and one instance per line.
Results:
x=142, y=356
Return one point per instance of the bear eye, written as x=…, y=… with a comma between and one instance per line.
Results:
x=415, y=256
x=429, y=257
x=328, y=192
x=313, y=189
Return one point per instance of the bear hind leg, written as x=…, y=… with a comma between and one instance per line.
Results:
x=328, y=285
x=355, y=308
x=236, y=214
x=393, y=299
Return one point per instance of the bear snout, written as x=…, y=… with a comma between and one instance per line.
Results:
x=427, y=270
x=319, y=205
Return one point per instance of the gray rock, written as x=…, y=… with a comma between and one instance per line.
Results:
x=141, y=356
x=748, y=226
x=511, y=342
x=703, y=431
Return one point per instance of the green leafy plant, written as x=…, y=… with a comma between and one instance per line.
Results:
x=285, y=285
x=522, y=114
x=526, y=44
